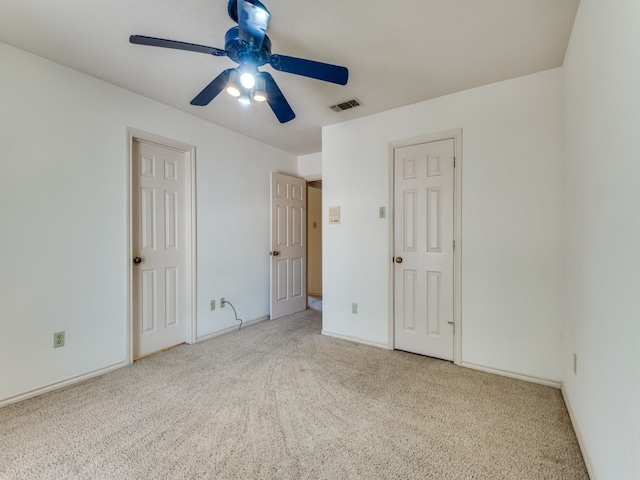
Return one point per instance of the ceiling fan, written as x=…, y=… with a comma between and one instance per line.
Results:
x=250, y=47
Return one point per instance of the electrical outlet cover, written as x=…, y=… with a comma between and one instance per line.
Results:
x=58, y=339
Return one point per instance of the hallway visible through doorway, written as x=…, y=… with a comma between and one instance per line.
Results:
x=315, y=303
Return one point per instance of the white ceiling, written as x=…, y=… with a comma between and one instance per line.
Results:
x=398, y=52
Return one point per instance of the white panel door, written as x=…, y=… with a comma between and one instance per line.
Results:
x=423, y=243
x=159, y=250
x=288, y=245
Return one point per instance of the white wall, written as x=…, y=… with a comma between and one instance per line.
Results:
x=63, y=234
x=602, y=199
x=511, y=221
x=310, y=166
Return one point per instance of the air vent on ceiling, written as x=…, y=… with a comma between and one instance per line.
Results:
x=345, y=105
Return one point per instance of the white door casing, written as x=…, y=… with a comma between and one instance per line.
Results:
x=288, y=245
x=424, y=248
x=160, y=219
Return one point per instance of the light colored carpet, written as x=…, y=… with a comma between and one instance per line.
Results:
x=278, y=400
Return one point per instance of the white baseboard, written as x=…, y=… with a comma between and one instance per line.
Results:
x=61, y=384
x=576, y=428
x=356, y=340
x=518, y=376
x=230, y=329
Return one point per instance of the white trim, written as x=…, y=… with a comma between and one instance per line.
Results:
x=391, y=332
x=355, y=340
x=128, y=247
x=190, y=227
x=576, y=428
x=61, y=384
x=192, y=335
x=456, y=136
x=518, y=376
x=313, y=177
x=230, y=329
x=457, y=254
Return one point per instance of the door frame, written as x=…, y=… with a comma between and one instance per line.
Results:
x=189, y=152
x=456, y=135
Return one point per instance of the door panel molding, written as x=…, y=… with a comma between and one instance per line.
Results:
x=288, y=237
x=456, y=136
x=190, y=228
x=430, y=258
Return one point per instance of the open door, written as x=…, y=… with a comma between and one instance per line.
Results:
x=288, y=245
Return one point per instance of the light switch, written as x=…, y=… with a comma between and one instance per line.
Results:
x=383, y=212
x=334, y=215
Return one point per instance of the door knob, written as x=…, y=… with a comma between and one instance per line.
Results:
x=398, y=259
x=137, y=260
x=275, y=253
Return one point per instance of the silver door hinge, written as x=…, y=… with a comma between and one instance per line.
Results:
x=454, y=245
x=454, y=162
x=454, y=326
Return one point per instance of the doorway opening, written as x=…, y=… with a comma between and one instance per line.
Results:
x=314, y=244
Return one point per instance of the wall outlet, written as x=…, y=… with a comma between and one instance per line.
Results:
x=212, y=305
x=222, y=302
x=58, y=339
x=575, y=364
x=354, y=308
x=382, y=212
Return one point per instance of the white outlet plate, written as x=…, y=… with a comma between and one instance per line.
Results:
x=354, y=308
x=222, y=302
x=212, y=305
x=58, y=339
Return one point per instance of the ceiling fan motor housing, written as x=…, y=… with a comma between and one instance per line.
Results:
x=237, y=50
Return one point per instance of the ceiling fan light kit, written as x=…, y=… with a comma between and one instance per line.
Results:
x=259, y=90
x=249, y=46
x=248, y=73
x=233, y=85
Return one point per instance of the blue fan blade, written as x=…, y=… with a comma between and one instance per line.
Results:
x=213, y=89
x=253, y=19
x=276, y=100
x=161, y=42
x=310, y=68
